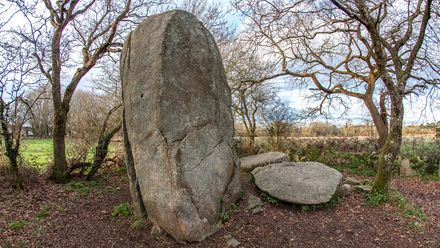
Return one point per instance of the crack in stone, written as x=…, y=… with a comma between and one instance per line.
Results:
x=213, y=149
x=194, y=128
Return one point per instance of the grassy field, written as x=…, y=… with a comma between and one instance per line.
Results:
x=38, y=153
x=348, y=154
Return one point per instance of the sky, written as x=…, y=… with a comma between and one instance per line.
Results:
x=417, y=111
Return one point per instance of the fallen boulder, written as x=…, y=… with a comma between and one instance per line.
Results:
x=298, y=182
x=251, y=162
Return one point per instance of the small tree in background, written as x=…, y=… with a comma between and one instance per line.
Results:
x=248, y=98
x=278, y=118
x=16, y=78
x=94, y=119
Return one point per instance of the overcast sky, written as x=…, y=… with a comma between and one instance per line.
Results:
x=417, y=110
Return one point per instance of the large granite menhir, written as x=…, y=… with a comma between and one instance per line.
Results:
x=178, y=126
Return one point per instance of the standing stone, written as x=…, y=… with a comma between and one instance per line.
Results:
x=405, y=168
x=178, y=125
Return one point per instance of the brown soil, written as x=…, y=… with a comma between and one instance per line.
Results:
x=80, y=220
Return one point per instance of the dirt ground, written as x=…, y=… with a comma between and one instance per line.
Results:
x=74, y=219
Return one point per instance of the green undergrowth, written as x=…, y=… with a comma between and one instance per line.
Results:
x=43, y=213
x=375, y=199
x=18, y=225
x=269, y=199
x=122, y=209
x=138, y=223
x=412, y=213
x=424, y=156
x=83, y=188
x=334, y=201
x=227, y=213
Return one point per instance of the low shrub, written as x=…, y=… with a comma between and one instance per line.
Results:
x=269, y=199
x=226, y=214
x=424, y=155
x=122, y=209
x=43, y=213
x=81, y=187
x=18, y=225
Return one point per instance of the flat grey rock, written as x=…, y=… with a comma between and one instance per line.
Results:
x=345, y=189
x=298, y=182
x=363, y=188
x=254, y=204
x=232, y=242
x=351, y=181
x=251, y=162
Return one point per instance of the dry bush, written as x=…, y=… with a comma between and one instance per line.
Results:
x=8, y=182
x=419, y=130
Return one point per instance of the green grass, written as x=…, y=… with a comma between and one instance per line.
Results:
x=18, y=225
x=83, y=188
x=43, y=213
x=269, y=199
x=37, y=152
x=122, y=209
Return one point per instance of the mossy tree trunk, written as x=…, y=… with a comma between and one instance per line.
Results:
x=391, y=149
x=12, y=145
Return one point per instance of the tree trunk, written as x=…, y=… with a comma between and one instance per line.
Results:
x=101, y=151
x=12, y=154
x=59, y=172
x=391, y=148
x=379, y=122
x=11, y=151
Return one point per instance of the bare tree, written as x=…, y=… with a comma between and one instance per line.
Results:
x=41, y=112
x=376, y=51
x=213, y=15
x=278, y=122
x=69, y=38
x=94, y=119
x=108, y=88
x=248, y=98
x=15, y=80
